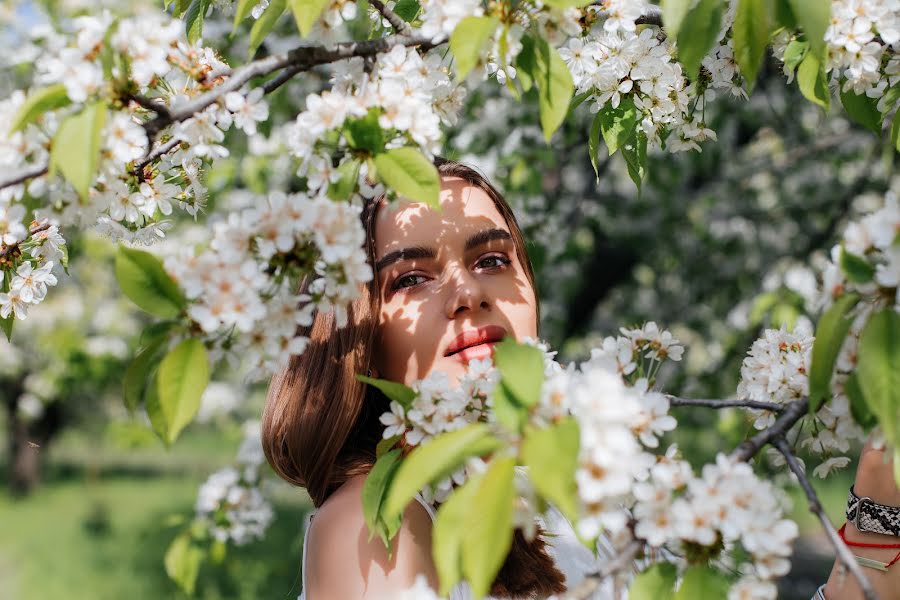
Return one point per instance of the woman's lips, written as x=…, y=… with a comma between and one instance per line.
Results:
x=477, y=352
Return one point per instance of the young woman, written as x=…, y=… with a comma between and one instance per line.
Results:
x=443, y=281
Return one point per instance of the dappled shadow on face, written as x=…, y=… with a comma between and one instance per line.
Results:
x=452, y=292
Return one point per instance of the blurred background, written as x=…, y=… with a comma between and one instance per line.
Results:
x=718, y=246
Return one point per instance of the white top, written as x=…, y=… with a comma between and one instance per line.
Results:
x=570, y=555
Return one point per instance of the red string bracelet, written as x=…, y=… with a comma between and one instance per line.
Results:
x=864, y=545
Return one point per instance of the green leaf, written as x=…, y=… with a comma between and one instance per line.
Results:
x=858, y=407
x=635, y=154
x=436, y=459
x=183, y=375
x=365, y=133
x=895, y=131
x=830, y=334
x=555, y=87
x=467, y=40
x=345, y=186
x=551, y=455
x=890, y=99
x=877, y=371
x=137, y=374
x=76, y=147
x=657, y=582
x=814, y=16
x=39, y=102
x=750, y=35
x=489, y=532
x=794, y=53
x=525, y=63
x=306, y=13
x=410, y=174
x=407, y=9
x=698, y=34
x=385, y=445
x=673, y=14
x=182, y=561
x=264, y=24
x=181, y=7
x=193, y=20
x=450, y=525
x=594, y=144
x=507, y=410
x=863, y=110
x=618, y=124
x=856, y=268
x=784, y=16
x=373, y=493
x=154, y=408
x=143, y=279
x=241, y=11
x=522, y=369
x=361, y=25
x=701, y=581
x=7, y=326
x=812, y=80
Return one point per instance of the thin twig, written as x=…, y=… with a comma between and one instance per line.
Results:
x=7, y=249
x=793, y=412
x=815, y=506
x=158, y=107
x=772, y=406
x=23, y=176
x=399, y=25
x=590, y=584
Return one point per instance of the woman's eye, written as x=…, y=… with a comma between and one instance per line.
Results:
x=407, y=281
x=493, y=261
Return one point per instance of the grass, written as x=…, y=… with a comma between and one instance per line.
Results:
x=97, y=529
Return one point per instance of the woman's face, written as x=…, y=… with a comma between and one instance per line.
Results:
x=450, y=282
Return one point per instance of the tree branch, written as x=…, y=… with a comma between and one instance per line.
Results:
x=8, y=249
x=772, y=406
x=815, y=506
x=792, y=413
x=299, y=59
x=399, y=25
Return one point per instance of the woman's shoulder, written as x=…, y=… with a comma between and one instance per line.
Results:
x=344, y=561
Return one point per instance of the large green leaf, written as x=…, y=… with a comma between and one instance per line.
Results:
x=635, y=154
x=364, y=133
x=657, y=582
x=467, y=40
x=618, y=123
x=410, y=174
x=812, y=80
x=435, y=460
x=241, y=11
x=306, y=13
x=698, y=34
x=522, y=369
x=39, y=102
x=594, y=144
x=856, y=268
x=374, y=489
x=814, y=16
x=750, y=36
x=193, y=20
x=392, y=389
x=76, y=147
x=264, y=24
x=858, y=407
x=551, y=455
x=407, y=9
x=862, y=109
x=144, y=280
x=450, y=526
x=555, y=86
x=182, y=561
x=489, y=532
x=701, y=581
x=183, y=375
x=673, y=13
x=137, y=375
x=507, y=410
x=878, y=372
x=830, y=334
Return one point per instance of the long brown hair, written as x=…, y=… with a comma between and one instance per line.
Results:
x=320, y=425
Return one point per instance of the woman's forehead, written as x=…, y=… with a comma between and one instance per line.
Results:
x=465, y=209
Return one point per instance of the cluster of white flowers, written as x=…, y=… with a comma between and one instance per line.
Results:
x=230, y=501
x=240, y=282
x=863, y=41
x=26, y=263
x=727, y=504
x=411, y=96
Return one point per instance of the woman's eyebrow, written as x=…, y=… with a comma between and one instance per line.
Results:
x=482, y=237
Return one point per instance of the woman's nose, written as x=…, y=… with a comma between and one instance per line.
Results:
x=466, y=293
